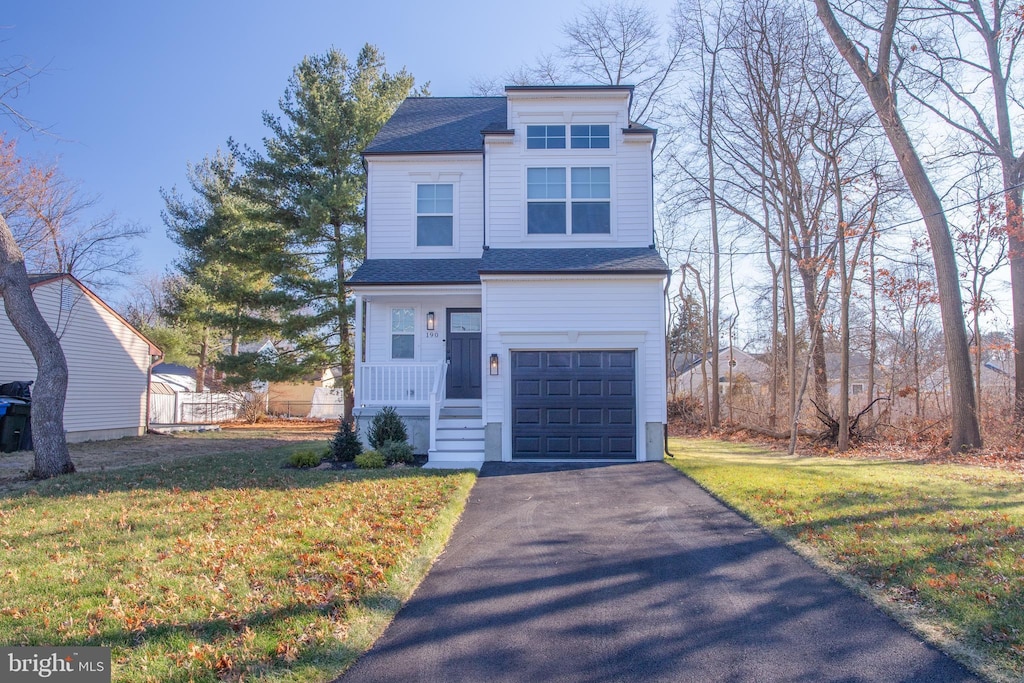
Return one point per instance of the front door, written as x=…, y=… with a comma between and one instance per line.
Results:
x=464, y=359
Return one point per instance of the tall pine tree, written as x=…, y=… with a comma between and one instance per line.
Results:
x=310, y=180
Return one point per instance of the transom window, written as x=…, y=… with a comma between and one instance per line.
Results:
x=587, y=212
x=468, y=321
x=545, y=137
x=434, y=215
x=589, y=137
x=403, y=331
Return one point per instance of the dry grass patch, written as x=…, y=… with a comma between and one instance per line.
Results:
x=942, y=545
x=220, y=567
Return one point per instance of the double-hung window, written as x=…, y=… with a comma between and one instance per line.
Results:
x=545, y=201
x=587, y=211
x=434, y=215
x=591, y=200
x=403, y=333
x=589, y=137
x=545, y=137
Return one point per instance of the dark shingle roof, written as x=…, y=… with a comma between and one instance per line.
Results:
x=635, y=260
x=447, y=271
x=423, y=125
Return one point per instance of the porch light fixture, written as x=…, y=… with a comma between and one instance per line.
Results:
x=494, y=364
x=430, y=321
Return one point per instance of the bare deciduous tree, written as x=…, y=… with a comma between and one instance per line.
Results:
x=877, y=78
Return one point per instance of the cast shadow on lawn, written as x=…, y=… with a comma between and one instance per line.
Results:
x=231, y=471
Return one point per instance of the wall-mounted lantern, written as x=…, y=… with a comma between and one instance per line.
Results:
x=494, y=364
x=431, y=321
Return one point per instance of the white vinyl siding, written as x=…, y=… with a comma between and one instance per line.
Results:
x=108, y=364
x=582, y=314
x=429, y=349
x=631, y=211
x=392, y=205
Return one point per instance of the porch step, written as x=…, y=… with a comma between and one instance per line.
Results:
x=461, y=412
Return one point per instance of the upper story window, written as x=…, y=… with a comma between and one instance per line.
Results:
x=434, y=215
x=545, y=205
x=403, y=333
x=588, y=210
x=545, y=137
x=591, y=200
x=589, y=137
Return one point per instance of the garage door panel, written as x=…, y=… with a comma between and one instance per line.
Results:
x=573, y=404
x=559, y=359
x=558, y=416
x=559, y=387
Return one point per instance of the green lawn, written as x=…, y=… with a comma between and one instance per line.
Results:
x=224, y=567
x=941, y=546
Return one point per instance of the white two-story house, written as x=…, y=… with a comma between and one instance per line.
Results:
x=511, y=302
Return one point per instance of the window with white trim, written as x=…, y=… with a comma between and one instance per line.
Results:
x=435, y=214
x=545, y=206
x=591, y=200
x=589, y=136
x=545, y=137
x=588, y=210
x=403, y=333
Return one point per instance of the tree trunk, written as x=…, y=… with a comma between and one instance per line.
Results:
x=50, y=388
x=873, y=330
x=965, y=432
x=344, y=344
x=816, y=332
x=716, y=274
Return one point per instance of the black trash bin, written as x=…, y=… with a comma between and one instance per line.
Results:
x=15, y=426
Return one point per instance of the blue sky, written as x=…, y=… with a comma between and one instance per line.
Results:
x=132, y=91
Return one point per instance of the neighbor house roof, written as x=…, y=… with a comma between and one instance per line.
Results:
x=37, y=279
x=632, y=260
x=453, y=271
x=432, y=125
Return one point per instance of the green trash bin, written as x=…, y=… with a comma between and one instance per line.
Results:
x=13, y=427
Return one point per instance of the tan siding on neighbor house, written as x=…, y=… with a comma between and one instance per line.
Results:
x=108, y=362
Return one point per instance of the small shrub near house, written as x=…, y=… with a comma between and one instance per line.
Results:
x=345, y=445
x=304, y=459
x=396, y=452
x=386, y=426
x=370, y=460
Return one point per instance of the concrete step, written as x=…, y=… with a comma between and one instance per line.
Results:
x=459, y=423
x=461, y=412
x=459, y=445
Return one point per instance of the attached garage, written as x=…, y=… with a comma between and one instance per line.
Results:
x=569, y=404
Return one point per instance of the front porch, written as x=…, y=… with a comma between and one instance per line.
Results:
x=450, y=431
x=419, y=350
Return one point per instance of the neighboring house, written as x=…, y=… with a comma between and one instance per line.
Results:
x=748, y=374
x=511, y=304
x=108, y=360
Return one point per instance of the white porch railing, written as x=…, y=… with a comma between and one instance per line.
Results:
x=437, y=395
x=396, y=384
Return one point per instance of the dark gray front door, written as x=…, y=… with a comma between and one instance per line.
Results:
x=574, y=404
x=464, y=359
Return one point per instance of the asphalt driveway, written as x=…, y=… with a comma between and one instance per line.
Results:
x=631, y=573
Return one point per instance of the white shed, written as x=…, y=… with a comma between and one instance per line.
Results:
x=108, y=360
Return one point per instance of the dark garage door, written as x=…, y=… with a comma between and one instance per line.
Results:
x=573, y=404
